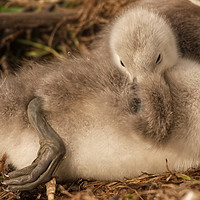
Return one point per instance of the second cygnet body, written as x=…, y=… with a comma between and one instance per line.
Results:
x=115, y=120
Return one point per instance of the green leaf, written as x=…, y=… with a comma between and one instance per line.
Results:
x=37, y=53
x=188, y=178
x=69, y=4
x=129, y=196
x=39, y=46
x=10, y=9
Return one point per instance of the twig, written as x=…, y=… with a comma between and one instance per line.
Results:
x=167, y=166
x=5, y=66
x=34, y=19
x=136, y=192
x=11, y=37
x=2, y=162
x=55, y=29
x=63, y=191
x=51, y=189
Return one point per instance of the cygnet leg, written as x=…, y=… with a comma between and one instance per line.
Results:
x=52, y=149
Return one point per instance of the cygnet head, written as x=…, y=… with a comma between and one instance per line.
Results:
x=142, y=42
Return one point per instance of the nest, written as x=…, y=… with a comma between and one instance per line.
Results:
x=165, y=186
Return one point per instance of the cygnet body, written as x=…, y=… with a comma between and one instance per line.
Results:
x=91, y=104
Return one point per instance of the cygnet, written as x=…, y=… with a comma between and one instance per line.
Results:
x=142, y=43
x=100, y=120
x=183, y=16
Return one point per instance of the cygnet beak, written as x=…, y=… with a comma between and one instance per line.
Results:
x=135, y=105
x=135, y=102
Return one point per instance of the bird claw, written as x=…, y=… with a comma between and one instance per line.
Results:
x=51, y=152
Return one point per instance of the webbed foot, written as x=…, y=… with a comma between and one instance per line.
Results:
x=52, y=149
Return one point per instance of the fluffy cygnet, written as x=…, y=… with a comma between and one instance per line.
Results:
x=91, y=104
x=141, y=42
x=184, y=18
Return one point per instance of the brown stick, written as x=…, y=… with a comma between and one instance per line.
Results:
x=34, y=19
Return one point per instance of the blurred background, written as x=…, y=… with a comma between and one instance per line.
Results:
x=42, y=29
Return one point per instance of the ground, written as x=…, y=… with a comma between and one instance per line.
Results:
x=50, y=36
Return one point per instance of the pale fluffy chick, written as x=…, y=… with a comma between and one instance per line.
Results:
x=142, y=42
x=91, y=105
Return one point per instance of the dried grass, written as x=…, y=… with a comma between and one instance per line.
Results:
x=147, y=186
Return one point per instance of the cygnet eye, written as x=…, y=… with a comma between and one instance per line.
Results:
x=122, y=64
x=158, y=59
